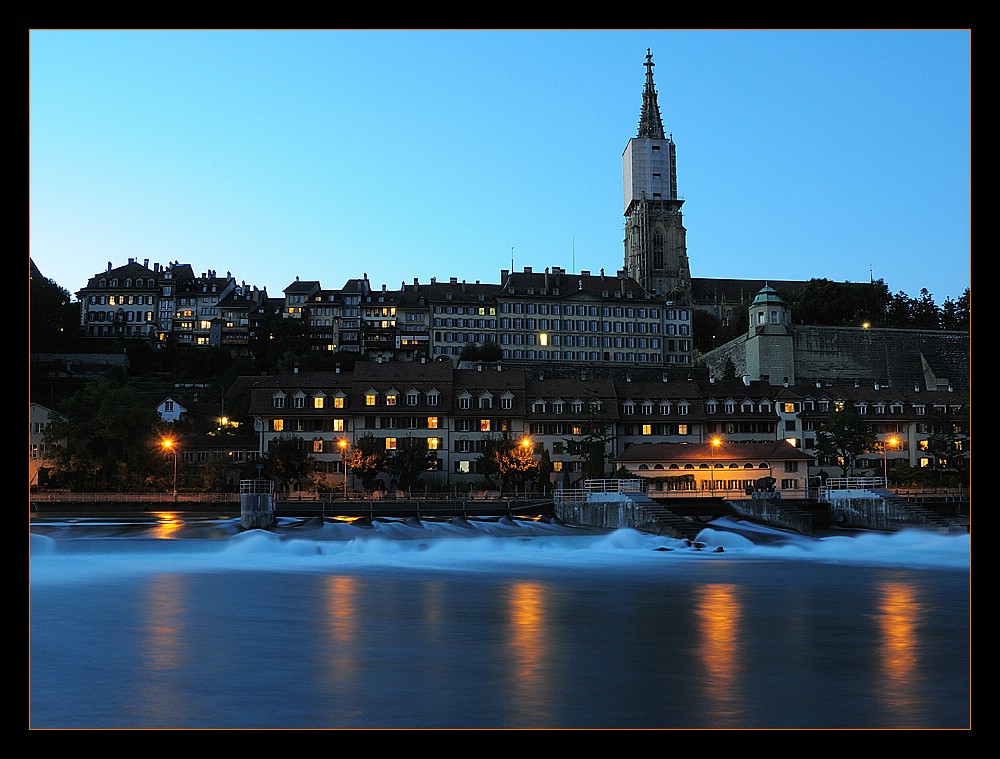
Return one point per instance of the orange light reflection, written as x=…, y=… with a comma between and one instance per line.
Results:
x=719, y=611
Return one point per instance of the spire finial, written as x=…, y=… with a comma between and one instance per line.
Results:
x=650, y=122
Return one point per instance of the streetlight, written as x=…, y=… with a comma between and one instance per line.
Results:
x=716, y=442
x=526, y=445
x=170, y=445
x=885, y=461
x=342, y=444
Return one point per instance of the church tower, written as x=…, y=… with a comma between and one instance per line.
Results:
x=655, y=238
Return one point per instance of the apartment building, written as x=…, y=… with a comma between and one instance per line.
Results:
x=455, y=411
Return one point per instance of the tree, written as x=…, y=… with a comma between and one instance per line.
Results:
x=366, y=459
x=942, y=438
x=54, y=317
x=288, y=459
x=410, y=460
x=591, y=449
x=844, y=437
x=840, y=304
x=506, y=461
x=545, y=469
x=107, y=437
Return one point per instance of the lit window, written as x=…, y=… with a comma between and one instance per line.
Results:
x=338, y=425
x=647, y=429
x=433, y=443
x=278, y=425
x=317, y=446
x=390, y=443
x=432, y=422
x=484, y=425
x=370, y=399
x=390, y=400
x=338, y=402
x=318, y=401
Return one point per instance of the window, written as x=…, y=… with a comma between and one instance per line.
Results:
x=647, y=429
x=464, y=402
x=432, y=422
x=338, y=425
x=279, y=401
x=369, y=399
x=390, y=443
x=390, y=399
x=484, y=425
x=317, y=446
x=318, y=401
x=338, y=402
x=433, y=443
x=278, y=425
x=299, y=401
x=506, y=403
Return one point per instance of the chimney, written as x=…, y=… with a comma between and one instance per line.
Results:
x=498, y=366
x=746, y=380
x=145, y=262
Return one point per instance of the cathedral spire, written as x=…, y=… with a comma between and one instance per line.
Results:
x=650, y=122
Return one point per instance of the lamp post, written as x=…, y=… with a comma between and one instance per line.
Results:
x=526, y=445
x=885, y=461
x=716, y=442
x=342, y=444
x=170, y=445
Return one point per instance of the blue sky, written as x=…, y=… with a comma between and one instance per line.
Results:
x=326, y=154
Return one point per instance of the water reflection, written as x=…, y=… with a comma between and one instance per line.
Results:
x=165, y=647
x=899, y=610
x=340, y=600
x=167, y=524
x=532, y=698
x=718, y=611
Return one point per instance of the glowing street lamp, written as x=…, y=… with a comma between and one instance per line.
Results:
x=716, y=442
x=170, y=445
x=526, y=447
x=893, y=441
x=342, y=444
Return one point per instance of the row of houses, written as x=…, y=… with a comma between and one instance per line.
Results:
x=653, y=427
x=536, y=317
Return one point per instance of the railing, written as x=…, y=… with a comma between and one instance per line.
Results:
x=134, y=497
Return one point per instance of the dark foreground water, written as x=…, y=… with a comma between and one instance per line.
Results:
x=493, y=624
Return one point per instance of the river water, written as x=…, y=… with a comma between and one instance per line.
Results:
x=167, y=622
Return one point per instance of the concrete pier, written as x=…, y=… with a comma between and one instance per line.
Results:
x=256, y=504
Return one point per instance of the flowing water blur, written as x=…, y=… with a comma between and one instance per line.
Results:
x=170, y=623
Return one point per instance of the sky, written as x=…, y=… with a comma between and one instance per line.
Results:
x=411, y=154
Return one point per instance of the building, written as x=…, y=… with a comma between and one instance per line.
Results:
x=778, y=351
x=655, y=238
x=726, y=469
x=455, y=412
x=121, y=303
x=39, y=417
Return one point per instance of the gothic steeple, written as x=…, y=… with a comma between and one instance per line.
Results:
x=655, y=238
x=650, y=121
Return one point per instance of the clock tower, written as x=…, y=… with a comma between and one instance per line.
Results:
x=655, y=238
